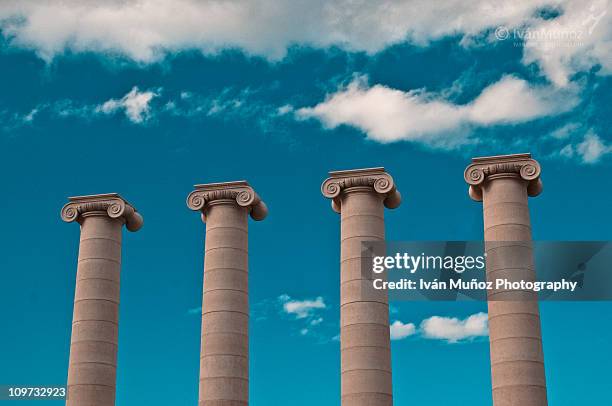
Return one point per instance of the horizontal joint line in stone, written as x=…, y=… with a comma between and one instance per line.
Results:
x=510, y=361
x=209, y=229
x=361, y=257
x=90, y=384
x=99, y=259
x=224, y=355
x=367, y=393
x=223, y=332
x=514, y=338
x=519, y=385
x=94, y=362
x=356, y=279
x=365, y=346
x=386, y=371
x=363, y=215
x=366, y=324
x=93, y=341
x=223, y=377
x=105, y=321
x=101, y=238
x=95, y=298
x=225, y=311
x=233, y=290
x=490, y=271
x=227, y=248
x=511, y=314
x=225, y=268
x=507, y=224
x=98, y=279
x=523, y=244
x=510, y=203
x=363, y=301
x=374, y=237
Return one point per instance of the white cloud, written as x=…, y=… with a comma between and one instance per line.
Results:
x=388, y=115
x=306, y=312
x=135, y=104
x=145, y=29
x=301, y=309
x=565, y=131
x=589, y=151
x=28, y=118
x=453, y=329
x=580, y=38
x=513, y=100
x=400, y=330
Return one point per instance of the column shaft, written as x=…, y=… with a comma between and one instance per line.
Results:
x=93, y=346
x=517, y=361
x=364, y=312
x=224, y=357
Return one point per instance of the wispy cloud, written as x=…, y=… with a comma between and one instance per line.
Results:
x=135, y=105
x=142, y=106
x=388, y=115
x=306, y=311
x=301, y=309
x=590, y=150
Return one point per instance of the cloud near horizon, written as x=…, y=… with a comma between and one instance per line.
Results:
x=388, y=115
x=147, y=30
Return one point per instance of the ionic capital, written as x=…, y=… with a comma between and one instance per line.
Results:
x=110, y=204
x=485, y=169
x=374, y=179
x=239, y=193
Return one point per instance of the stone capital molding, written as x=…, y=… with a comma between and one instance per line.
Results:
x=239, y=192
x=374, y=179
x=485, y=169
x=109, y=204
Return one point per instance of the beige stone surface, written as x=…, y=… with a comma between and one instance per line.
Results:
x=92, y=366
x=365, y=351
x=503, y=184
x=224, y=354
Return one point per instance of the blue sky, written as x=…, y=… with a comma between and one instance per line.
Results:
x=147, y=98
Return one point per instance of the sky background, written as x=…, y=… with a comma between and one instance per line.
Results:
x=146, y=98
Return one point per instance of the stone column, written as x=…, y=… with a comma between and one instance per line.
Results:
x=224, y=355
x=503, y=184
x=93, y=347
x=365, y=351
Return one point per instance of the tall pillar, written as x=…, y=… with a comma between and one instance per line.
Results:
x=365, y=350
x=224, y=354
x=503, y=184
x=92, y=367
